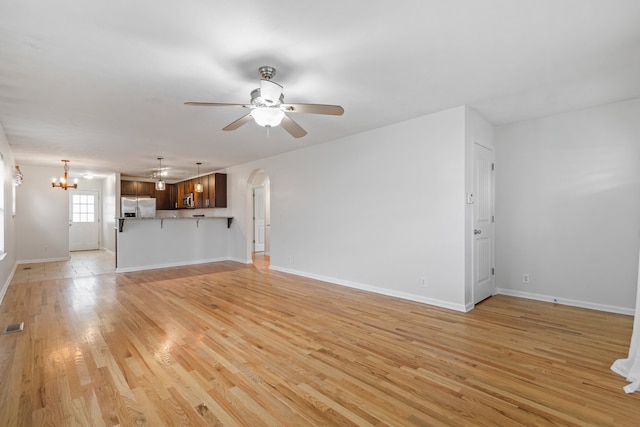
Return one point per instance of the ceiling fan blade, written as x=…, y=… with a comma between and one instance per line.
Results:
x=292, y=127
x=235, y=125
x=332, y=110
x=216, y=104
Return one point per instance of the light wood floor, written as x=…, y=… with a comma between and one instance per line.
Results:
x=81, y=263
x=230, y=344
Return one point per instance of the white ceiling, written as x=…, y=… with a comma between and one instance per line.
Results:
x=103, y=83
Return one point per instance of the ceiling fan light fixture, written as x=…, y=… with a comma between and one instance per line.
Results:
x=268, y=108
x=267, y=116
x=270, y=92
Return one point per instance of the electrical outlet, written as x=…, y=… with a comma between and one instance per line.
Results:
x=423, y=282
x=525, y=278
x=290, y=259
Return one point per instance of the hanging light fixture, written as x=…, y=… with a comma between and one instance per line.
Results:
x=267, y=116
x=64, y=181
x=198, y=188
x=18, y=177
x=160, y=184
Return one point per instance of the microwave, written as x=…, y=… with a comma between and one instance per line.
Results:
x=187, y=200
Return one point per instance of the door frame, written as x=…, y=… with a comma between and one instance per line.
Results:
x=257, y=178
x=97, y=213
x=264, y=218
x=473, y=221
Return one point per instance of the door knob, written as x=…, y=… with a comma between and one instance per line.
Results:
x=476, y=231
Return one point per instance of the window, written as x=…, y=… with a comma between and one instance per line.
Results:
x=83, y=208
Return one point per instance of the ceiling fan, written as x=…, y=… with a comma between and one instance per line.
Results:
x=268, y=108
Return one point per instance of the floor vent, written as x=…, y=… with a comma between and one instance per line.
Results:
x=16, y=327
x=27, y=268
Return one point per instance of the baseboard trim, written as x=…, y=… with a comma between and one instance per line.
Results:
x=169, y=265
x=374, y=289
x=567, y=301
x=34, y=261
x=5, y=287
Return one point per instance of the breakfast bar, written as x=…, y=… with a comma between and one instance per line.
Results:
x=148, y=243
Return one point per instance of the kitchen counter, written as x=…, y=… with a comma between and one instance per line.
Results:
x=160, y=242
x=163, y=218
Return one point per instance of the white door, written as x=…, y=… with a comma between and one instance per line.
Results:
x=258, y=219
x=84, y=220
x=483, y=224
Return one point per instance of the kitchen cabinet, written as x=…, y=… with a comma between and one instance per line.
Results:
x=214, y=194
x=146, y=189
x=128, y=188
x=183, y=188
x=137, y=188
x=188, y=186
x=216, y=190
x=200, y=198
x=166, y=199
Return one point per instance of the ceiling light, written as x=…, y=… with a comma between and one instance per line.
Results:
x=267, y=116
x=64, y=181
x=160, y=184
x=270, y=92
x=199, y=188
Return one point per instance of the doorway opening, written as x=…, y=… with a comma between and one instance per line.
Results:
x=483, y=224
x=84, y=220
x=260, y=244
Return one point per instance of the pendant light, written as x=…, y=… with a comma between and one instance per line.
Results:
x=199, y=188
x=160, y=185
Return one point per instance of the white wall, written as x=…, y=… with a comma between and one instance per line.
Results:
x=109, y=203
x=568, y=207
x=8, y=263
x=377, y=210
x=42, y=216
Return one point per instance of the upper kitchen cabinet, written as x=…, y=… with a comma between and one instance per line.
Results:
x=128, y=188
x=188, y=186
x=214, y=193
x=217, y=190
x=137, y=188
x=166, y=199
x=146, y=189
x=201, y=198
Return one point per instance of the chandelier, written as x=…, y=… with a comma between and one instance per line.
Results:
x=18, y=177
x=64, y=181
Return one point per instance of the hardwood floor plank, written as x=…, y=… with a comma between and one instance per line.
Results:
x=226, y=344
